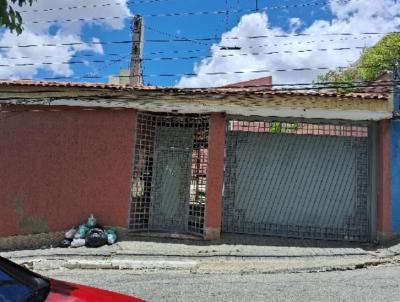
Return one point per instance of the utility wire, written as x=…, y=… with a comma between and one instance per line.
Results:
x=92, y=6
x=215, y=73
x=59, y=63
x=55, y=9
x=292, y=86
x=181, y=58
x=254, y=71
x=66, y=44
x=77, y=20
x=188, y=40
x=310, y=42
x=255, y=53
x=89, y=55
x=270, y=36
x=171, y=14
x=174, y=36
x=148, y=1
x=121, y=59
x=262, y=45
x=199, y=50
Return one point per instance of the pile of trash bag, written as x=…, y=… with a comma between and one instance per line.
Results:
x=89, y=234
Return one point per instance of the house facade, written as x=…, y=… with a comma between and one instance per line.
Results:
x=299, y=164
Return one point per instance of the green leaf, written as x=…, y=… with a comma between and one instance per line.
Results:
x=373, y=62
x=10, y=18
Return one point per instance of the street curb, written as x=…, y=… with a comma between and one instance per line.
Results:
x=216, y=266
x=192, y=256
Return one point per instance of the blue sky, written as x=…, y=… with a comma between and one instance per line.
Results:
x=276, y=17
x=212, y=25
x=208, y=26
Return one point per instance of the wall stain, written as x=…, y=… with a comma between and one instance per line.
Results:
x=29, y=223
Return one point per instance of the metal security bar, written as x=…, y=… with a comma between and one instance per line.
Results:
x=297, y=179
x=169, y=173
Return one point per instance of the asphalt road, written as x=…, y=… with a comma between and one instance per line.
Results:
x=371, y=284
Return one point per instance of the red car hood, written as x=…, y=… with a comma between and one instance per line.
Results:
x=69, y=292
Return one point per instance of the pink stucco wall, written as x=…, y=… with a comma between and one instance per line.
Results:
x=216, y=149
x=57, y=167
x=384, y=179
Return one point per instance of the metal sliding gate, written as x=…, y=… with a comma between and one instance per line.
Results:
x=169, y=173
x=297, y=179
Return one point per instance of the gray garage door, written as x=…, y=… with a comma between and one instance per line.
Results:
x=297, y=180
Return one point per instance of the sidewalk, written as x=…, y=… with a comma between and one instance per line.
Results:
x=237, y=254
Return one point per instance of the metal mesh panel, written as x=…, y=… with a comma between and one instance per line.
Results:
x=297, y=179
x=169, y=173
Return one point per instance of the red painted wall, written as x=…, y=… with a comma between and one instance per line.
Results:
x=57, y=167
x=215, y=176
x=384, y=179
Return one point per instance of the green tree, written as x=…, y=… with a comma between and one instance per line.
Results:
x=372, y=63
x=9, y=17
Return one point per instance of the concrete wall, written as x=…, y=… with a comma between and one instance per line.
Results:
x=58, y=166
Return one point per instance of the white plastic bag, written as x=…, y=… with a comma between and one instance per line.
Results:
x=70, y=234
x=111, y=238
x=78, y=242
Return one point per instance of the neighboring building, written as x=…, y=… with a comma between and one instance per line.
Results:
x=121, y=79
x=256, y=84
x=301, y=164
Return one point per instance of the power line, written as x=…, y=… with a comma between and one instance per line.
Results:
x=124, y=17
x=59, y=63
x=92, y=6
x=149, y=15
x=293, y=86
x=122, y=59
x=181, y=58
x=66, y=44
x=172, y=14
x=195, y=50
x=174, y=36
x=148, y=1
x=255, y=71
x=213, y=73
x=263, y=45
x=73, y=7
x=271, y=36
x=189, y=39
x=78, y=20
x=310, y=42
x=254, y=53
x=72, y=56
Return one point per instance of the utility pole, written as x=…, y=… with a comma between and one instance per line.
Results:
x=135, y=70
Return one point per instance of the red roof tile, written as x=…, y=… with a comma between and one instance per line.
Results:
x=191, y=91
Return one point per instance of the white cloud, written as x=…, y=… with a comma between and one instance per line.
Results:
x=356, y=16
x=295, y=24
x=55, y=33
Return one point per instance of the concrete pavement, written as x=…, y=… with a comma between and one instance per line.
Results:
x=236, y=254
x=372, y=284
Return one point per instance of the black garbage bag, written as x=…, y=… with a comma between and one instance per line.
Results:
x=65, y=243
x=96, y=237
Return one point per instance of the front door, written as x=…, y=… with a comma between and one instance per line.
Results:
x=171, y=179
